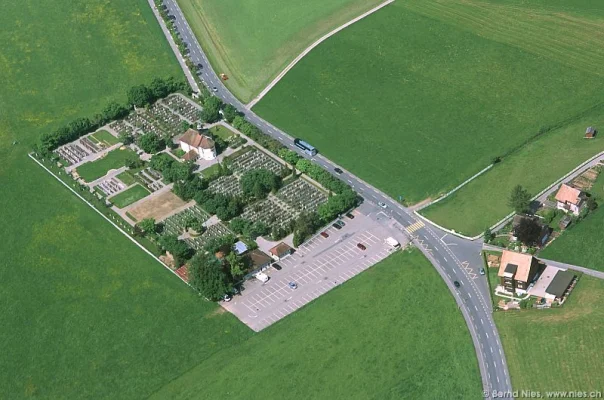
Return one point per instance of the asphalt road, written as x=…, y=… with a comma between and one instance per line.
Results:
x=455, y=259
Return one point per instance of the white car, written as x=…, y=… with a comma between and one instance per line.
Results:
x=214, y=89
x=262, y=277
x=382, y=204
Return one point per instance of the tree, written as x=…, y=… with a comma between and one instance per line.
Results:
x=239, y=225
x=140, y=96
x=147, y=225
x=220, y=243
x=304, y=226
x=303, y=165
x=194, y=223
x=258, y=183
x=256, y=229
x=159, y=88
x=520, y=200
x=528, y=231
x=151, y=143
x=289, y=156
x=133, y=161
x=161, y=162
x=211, y=110
x=229, y=112
x=236, y=265
x=488, y=235
x=177, y=248
x=591, y=203
x=126, y=138
x=114, y=110
x=337, y=205
x=207, y=276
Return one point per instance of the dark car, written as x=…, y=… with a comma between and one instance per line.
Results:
x=277, y=267
x=361, y=246
x=199, y=66
x=172, y=17
x=456, y=284
x=338, y=170
x=335, y=225
x=340, y=222
x=325, y=234
x=349, y=215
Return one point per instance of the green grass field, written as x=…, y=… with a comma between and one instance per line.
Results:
x=252, y=41
x=419, y=96
x=85, y=313
x=371, y=338
x=221, y=132
x=581, y=244
x=126, y=177
x=129, y=196
x=98, y=168
x=105, y=137
x=484, y=201
x=557, y=349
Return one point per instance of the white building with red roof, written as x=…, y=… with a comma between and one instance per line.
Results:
x=570, y=199
x=195, y=145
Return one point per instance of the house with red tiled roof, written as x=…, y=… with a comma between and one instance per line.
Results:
x=196, y=145
x=570, y=199
x=517, y=271
x=279, y=251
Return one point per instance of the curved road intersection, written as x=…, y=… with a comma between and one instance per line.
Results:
x=454, y=258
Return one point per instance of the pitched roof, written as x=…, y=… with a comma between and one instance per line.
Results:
x=568, y=194
x=590, y=130
x=240, y=247
x=259, y=259
x=195, y=139
x=191, y=155
x=280, y=249
x=560, y=283
x=206, y=142
x=521, y=262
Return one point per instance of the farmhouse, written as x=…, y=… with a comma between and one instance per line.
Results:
x=570, y=199
x=279, y=251
x=196, y=145
x=517, y=271
x=590, y=132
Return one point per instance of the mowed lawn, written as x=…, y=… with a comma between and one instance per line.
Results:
x=252, y=41
x=581, y=244
x=85, y=313
x=129, y=196
x=113, y=160
x=393, y=332
x=484, y=201
x=104, y=137
x=558, y=349
x=417, y=97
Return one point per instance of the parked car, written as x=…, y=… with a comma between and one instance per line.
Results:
x=277, y=267
x=338, y=171
x=457, y=284
x=382, y=204
x=262, y=277
x=349, y=215
x=335, y=225
x=481, y=271
x=227, y=298
x=214, y=89
x=341, y=223
x=325, y=234
x=292, y=285
x=361, y=246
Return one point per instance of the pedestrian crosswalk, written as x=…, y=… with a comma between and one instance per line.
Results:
x=414, y=227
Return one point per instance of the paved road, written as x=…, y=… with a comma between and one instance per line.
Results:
x=455, y=259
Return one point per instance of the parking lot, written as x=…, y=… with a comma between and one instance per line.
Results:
x=318, y=266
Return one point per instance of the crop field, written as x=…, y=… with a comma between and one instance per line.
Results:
x=352, y=343
x=418, y=97
x=129, y=196
x=558, y=349
x=85, y=313
x=98, y=168
x=252, y=41
x=484, y=201
x=580, y=244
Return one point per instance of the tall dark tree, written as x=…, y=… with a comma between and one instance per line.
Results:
x=151, y=143
x=140, y=96
x=528, y=231
x=229, y=112
x=211, y=110
x=520, y=199
x=177, y=248
x=208, y=277
x=258, y=183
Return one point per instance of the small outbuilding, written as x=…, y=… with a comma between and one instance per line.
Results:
x=279, y=251
x=561, y=284
x=590, y=132
x=239, y=248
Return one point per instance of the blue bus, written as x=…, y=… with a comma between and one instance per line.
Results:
x=308, y=149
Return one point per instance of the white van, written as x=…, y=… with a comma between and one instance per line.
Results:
x=262, y=277
x=393, y=242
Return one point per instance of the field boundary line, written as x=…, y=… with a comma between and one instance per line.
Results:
x=309, y=49
x=464, y=183
x=106, y=218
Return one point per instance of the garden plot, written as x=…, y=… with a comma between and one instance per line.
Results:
x=121, y=126
x=184, y=108
x=216, y=230
x=175, y=224
x=110, y=186
x=227, y=185
x=151, y=179
x=255, y=159
x=271, y=211
x=303, y=196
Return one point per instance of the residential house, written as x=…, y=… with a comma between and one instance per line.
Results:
x=279, y=251
x=517, y=271
x=543, y=234
x=195, y=145
x=590, y=132
x=570, y=199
